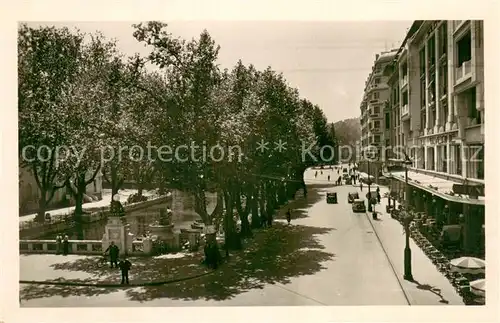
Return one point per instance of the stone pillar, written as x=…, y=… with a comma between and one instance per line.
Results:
x=427, y=114
x=448, y=157
x=438, y=120
x=451, y=75
x=474, y=51
x=465, y=157
x=436, y=157
x=115, y=231
x=147, y=245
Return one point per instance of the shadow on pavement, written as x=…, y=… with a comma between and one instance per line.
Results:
x=300, y=206
x=275, y=255
x=436, y=291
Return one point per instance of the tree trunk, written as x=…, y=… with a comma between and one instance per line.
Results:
x=262, y=204
x=246, y=231
x=42, y=207
x=256, y=222
x=232, y=239
x=78, y=206
x=271, y=203
x=139, y=190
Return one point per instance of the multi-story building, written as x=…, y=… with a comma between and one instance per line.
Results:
x=436, y=110
x=374, y=128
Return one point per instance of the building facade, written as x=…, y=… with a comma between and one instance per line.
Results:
x=374, y=120
x=436, y=108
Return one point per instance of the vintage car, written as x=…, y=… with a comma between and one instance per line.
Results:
x=351, y=196
x=358, y=206
x=331, y=198
x=345, y=176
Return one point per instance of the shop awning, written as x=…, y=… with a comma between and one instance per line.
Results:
x=435, y=185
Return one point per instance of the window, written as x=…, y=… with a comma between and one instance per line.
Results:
x=387, y=121
x=464, y=49
x=405, y=97
x=377, y=80
x=444, y=117
x=443, y=38
x=376, y=138
x=422, y=93
x=376, y=69
x=423, y=122
x=376, y=124
x=421, y=55
x=443, y=79
x=471, y=104
x=376, y=110
x=444, y=159
x=376, y=95
x=431, y=50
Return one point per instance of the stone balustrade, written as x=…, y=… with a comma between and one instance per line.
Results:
x=81, y=247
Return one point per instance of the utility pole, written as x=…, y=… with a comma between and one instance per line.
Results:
x=408, y=218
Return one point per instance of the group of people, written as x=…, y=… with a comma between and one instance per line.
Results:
x=62, y=245
x=114, y=252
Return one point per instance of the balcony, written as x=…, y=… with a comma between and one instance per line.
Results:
x=404, y=81
x=375, y=130
x=405, y=110
x=463, y=72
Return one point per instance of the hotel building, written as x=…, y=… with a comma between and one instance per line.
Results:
x=374, y=120
x=436, y=112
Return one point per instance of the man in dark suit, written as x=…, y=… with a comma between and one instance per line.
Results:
x=124, y=268
x=114, y=251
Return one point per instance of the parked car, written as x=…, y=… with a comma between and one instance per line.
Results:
x=345, y=176
x=351, y=196
x=331, y=198
x=358, y=206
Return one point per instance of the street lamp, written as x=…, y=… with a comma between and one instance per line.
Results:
x=374, y=154
x=406, y=223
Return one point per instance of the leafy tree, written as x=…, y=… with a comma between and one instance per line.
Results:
x=48, y=62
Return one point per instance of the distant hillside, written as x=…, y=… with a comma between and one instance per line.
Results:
x=347, y=131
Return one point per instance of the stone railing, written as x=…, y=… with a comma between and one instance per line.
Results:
x=463, y=71
x=80, y=247
x=61, y=222
x=405, y=110
x=51, y=246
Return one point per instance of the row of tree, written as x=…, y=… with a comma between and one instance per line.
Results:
x=76, y=90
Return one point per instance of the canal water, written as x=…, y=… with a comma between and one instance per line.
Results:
x=183, y=215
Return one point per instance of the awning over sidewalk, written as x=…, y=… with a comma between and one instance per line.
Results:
x=440, y=187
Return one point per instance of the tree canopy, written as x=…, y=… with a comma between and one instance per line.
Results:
x=189, y=124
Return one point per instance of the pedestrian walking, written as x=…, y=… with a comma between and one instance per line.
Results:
x=378, y=195
x=316, y=174
x=288, y=216
x=58, y=244
x=321, y=172
x=65, y=245
x=114, y=252
x=328, y=177
x=361, y=186
x=124, y=268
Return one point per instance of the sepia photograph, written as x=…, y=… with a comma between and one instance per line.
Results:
x=251, y=164
x=211, y=167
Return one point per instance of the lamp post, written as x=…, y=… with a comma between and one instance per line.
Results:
x=369, y=182
x=406, y=223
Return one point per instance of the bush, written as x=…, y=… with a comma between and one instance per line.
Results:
x=135, y=198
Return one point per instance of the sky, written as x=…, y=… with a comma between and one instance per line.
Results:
x=327, y=61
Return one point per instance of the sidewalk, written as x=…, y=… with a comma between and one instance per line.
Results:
x=430, y=287
x=92, y=270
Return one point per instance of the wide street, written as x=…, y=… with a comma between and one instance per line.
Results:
x=328, y=256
